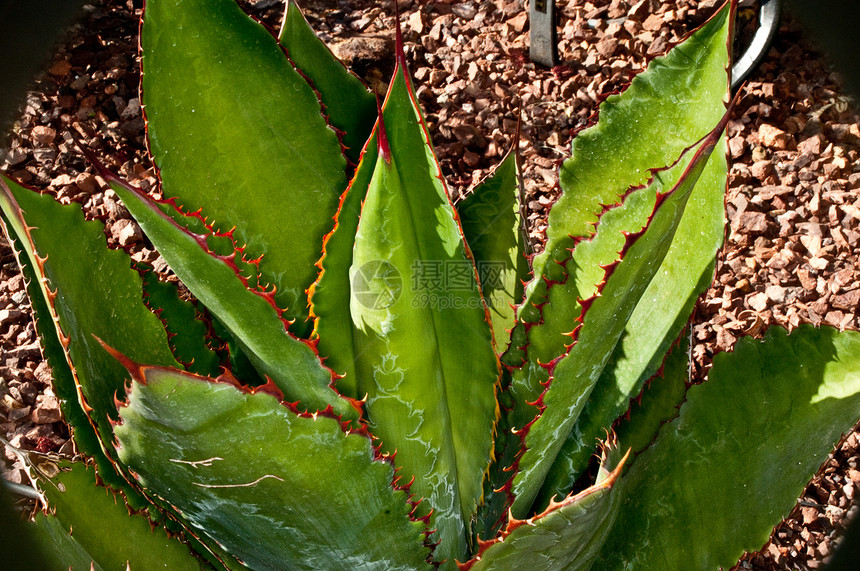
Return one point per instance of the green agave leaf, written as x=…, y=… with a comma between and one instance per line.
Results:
x=57, y=547
x=493, y=513
x=574, y=375
x=665, y=306
x=674, y=102
x=20, y=541
x=241, y=366
x=67, y=252
x=350, y=106
x=329, y=295
x=85, y=522
x=222, y=102
x=550, y=338
x=656, y=405
x=592, y=177
x=252, y=318
x=415, y=306
x=492, y=225
x=187, y=334
x=616, y=154
x=566, y=536
x=746, y=442
x=52, y=350
x=660, y=401
x=274, y=487
x=63, y=380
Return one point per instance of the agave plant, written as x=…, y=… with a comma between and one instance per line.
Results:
x=369, y=377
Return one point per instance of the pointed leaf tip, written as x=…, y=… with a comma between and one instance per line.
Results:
x=400, y=52
x=382, y=138
x=134, y=369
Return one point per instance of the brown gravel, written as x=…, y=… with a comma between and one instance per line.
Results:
x=793, y=204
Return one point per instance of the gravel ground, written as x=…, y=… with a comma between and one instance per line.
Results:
x=793, y=203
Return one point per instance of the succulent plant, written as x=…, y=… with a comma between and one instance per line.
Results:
x=370, y=377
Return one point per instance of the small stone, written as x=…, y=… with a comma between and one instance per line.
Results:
x=43, y=373
x=725, y=339
x=47, y=410
x=639, y=11
x=10, y=316
x=775, y=293
x=60, y=68
x=30, y=352
x=847, y=301
x=87, y=183
x=607, y=47
x=80, y=82
x=617, y=9
x=758, y=301
x=653, y=22
x=126, y=232
x=810, y=516
x=16, y=156
x=851, y=211
x=810, y=146
x=437, y=77
x=465, y=10
x=775, y=138
x=473, y=71
x=43, y=135
x=759, y=154
x=737, y=147
x=781, y=260
x=658, y=46
x=471, y=159
x=762, y=169
x=16, y=414
x=811, y=243
x=818, y=263
x=768, y=192
x=132, y=109
x=806, y=280
x=519, y=21
x=752, y=223
x=415, y=22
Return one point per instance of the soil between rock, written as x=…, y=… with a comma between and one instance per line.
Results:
x=793, y=202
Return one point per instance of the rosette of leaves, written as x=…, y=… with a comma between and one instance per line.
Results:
x=363, y=379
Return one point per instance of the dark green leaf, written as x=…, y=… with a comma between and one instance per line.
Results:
x=236, y=131
x=657, y=404
x=746, y=442
x=251, y=317
x=491, y=221
x=275, y=488
x=88, y=523
x=187, y=334
x=350, y=106
x=566, y=536
x=91, y=291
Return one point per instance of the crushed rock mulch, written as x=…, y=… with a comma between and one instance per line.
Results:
x=793, y=202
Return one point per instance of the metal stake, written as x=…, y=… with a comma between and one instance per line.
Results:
x=543, y=44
